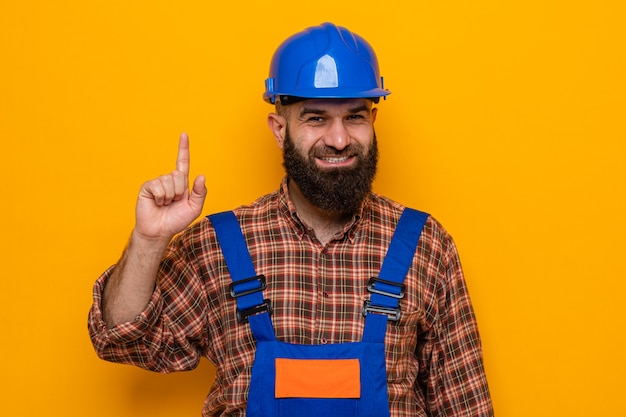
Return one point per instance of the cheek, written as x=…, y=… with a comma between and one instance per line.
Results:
x=366, y=139
x=305, y=145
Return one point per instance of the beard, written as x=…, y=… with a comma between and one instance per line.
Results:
x=333, y=189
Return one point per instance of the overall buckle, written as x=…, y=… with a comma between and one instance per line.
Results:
x=393, y=314
x=242, y=315
x=262, y=286
x=371, y=287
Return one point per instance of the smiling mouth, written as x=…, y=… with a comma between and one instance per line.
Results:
x=335, y=160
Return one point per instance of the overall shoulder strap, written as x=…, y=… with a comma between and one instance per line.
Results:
x=246, y=287
x=388, y=288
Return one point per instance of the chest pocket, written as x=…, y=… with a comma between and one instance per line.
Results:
x=317, y=387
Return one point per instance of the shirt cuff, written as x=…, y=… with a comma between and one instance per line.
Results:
x=122, y=333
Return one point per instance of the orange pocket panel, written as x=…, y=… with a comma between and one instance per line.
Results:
x=318, y=378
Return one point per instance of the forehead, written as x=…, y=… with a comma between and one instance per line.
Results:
x=328, y=105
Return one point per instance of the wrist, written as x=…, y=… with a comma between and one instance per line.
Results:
x=148, y=244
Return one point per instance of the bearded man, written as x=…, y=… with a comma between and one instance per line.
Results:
x=321, y=298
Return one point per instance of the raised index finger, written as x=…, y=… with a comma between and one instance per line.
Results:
x=182, y=161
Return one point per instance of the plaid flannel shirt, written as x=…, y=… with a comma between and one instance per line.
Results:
x=433, y=354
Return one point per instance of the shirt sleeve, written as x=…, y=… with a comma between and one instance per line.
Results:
x=452, y=374
x=168, y=335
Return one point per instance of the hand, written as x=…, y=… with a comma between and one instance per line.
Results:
x=165, y=205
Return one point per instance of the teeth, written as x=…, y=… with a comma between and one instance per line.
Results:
x=335, y=160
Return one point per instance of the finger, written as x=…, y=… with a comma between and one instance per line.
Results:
x=198, y=193
x=166, y=189
x=154, y=190
x=180, y=185
x=182, y=161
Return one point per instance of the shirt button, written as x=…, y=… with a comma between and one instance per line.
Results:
x=323, y=341
x=326, y=295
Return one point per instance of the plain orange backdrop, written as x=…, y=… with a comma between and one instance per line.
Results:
x=506, y=122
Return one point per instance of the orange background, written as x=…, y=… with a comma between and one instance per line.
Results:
x=506, y=122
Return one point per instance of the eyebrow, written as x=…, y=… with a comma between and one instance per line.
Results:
x=313, y=110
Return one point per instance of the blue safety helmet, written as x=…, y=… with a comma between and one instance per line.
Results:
x=325, y=61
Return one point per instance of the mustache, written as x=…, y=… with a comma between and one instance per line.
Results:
x=323, y=151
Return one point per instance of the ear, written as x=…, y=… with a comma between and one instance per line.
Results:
x=278, y=126
x=374, y=113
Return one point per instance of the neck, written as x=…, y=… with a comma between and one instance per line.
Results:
x=325, y=223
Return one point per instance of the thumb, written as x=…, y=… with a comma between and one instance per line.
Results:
x=198, y=192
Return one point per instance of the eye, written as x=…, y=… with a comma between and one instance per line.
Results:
x=357, y=117
x=315, y=119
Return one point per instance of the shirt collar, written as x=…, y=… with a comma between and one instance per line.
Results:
x=288, y=208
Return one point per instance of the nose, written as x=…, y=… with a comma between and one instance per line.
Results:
x=337, y=135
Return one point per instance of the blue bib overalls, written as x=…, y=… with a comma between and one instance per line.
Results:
x=344, y=379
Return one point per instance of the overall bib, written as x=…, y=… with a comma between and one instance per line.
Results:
x=343, y=379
